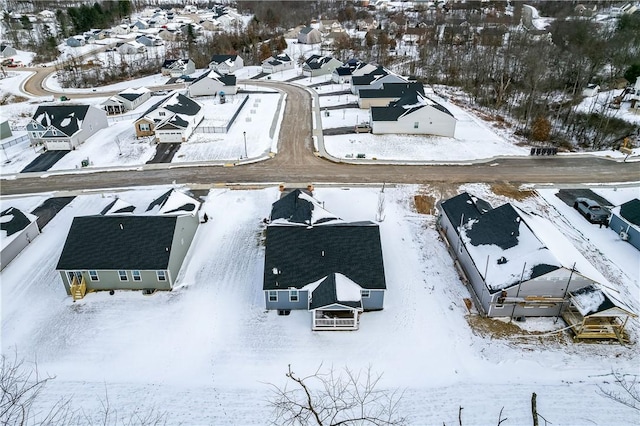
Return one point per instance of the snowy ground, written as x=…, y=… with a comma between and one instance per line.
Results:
x=205, y=352
x=600, y=103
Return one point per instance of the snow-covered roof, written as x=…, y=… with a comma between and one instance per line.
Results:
x=300, y=208
x=12, y=222
x=174, y=203
x=593, y=300
x=334, y=289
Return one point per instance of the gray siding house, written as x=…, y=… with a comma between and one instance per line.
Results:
x=226, y=64
x=320, y=65
x=178, y=67
x=511, y=272
x=211, y=83
x=122, y=250
x=317, y=262
x=625, y=220
x=309, y=35
x=7, y=51
x=64, y=127
x=17, y=230
x=127, y=100
x=374, y=80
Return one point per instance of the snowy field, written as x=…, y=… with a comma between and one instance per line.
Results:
x=205, y=353
x=600, y=102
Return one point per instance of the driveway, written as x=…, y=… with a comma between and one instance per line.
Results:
x=165, y=152
x=568, y=196
x=44, y=161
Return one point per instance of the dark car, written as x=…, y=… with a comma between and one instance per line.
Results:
x=591, y=210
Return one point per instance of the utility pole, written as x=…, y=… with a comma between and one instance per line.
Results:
x=244, y=134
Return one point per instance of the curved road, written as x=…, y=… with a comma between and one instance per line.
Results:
x=296, y=162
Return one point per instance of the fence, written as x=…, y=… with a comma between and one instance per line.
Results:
x=15, y=141
x=222, y=129
x=116, y=118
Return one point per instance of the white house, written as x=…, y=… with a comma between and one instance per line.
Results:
x=280, y=62
x=7, y=51
x=131, y=48
x=413, y=114
x=309, y=35
x=64, y=127
x=352, y=68
x=127, y=100
x=178, y=67
x=374, y=80
x=226, y=64
x=211, y=83
x=172, y=120
x=17, y=230
x=320, y=65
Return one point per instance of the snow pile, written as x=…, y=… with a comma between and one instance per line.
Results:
x=588, y=300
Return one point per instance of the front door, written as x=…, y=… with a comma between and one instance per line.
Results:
x=76, y=274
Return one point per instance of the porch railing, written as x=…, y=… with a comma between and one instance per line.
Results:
x=78, y=288
x=336, y=322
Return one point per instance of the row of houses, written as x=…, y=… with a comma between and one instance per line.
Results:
x=513, y=264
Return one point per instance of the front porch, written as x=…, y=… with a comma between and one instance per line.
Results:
x=335, y=319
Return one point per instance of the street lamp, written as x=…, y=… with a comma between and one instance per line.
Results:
x=245, y=144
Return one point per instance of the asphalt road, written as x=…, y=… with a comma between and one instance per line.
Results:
x=297, y=162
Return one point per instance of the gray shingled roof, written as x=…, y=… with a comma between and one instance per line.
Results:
x=464, y=207
x=325, y=294
x=292, y=208
x=392, y=90
x=301, y=255
x=65, y=118
x=218, y=59
x=631, y=211
x=118, y=242
x=184, y=105
x=363, y=80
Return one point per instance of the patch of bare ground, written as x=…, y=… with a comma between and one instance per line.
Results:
x=511, y=191
x=424, y=204
x=12, y=99
x=508, y=330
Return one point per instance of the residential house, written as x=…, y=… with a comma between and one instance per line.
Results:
x=212, y=83
x=226, y=64
x=171, y=120
x=413, y=114
x=127, y=100
x=7, y=51
x=130, y=48
x=276, y=63
x=330, y=26
x=389, y=92
x=178, y=67
x=320, y=65
x=122, y=29
x=317, y=262
x=149, y=40
x=169, y=34
x=595, y=313
x=76, y=41
x=625, y=220
x=121, y=249
x=196, y=30
x=309, y=35
x=94, y=35
x=366, y=24
x=46, y=15
x=211, y=24
x=516, y=263
x=64, y=127
x=374, y=80
x=141, y=24
x=17, y=230
x=353, y=67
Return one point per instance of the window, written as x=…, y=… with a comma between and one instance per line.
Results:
x=162, y=113
x=416, y=124
x=273, y=296
x=93, y=275
x=136, y=275
x=293, y=295
x=123, y=275
x=162, y=275
x=365, y=293
x=144, y=127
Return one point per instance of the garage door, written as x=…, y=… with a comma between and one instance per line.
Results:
x=168, y=137
x=57, y=146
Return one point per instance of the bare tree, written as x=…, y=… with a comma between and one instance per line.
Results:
x=335, y=398
x=629, y=390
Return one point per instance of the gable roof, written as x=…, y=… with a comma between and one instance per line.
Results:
x=306, y=30
x=168, y=63
x=133, y=94
x=407, y=104
x=218, y=59
x=174, y=202
x=464, y=207
x=66, y=118
x=316, y=61
x=593, y=300
x=298, y=255
x=335, y=289
x=13, y=220
x=225, y=79
x=299, y=207
x=363, y=80
x=118, y=242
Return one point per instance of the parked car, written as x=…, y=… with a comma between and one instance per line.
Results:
x=591, y=210
x=363, y=128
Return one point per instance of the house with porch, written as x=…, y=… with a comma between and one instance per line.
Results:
x=226, y=64
x=319, y=65
x=64, y=127
x=389, y=92
x=317, y=262
x=413, y=114
x=625, y=221
x=127, y=100
x=276, y=63
x=178, y=67
x=212, y=83
x=173, y=119
x=17, y=230
x=516, y=264
x=123, y=249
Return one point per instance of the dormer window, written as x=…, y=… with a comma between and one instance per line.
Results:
x=162, y=113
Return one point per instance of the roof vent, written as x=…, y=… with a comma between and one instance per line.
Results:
x=502, y=260
x=121, y=227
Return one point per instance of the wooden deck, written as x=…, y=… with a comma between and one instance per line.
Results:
x=595, y=327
